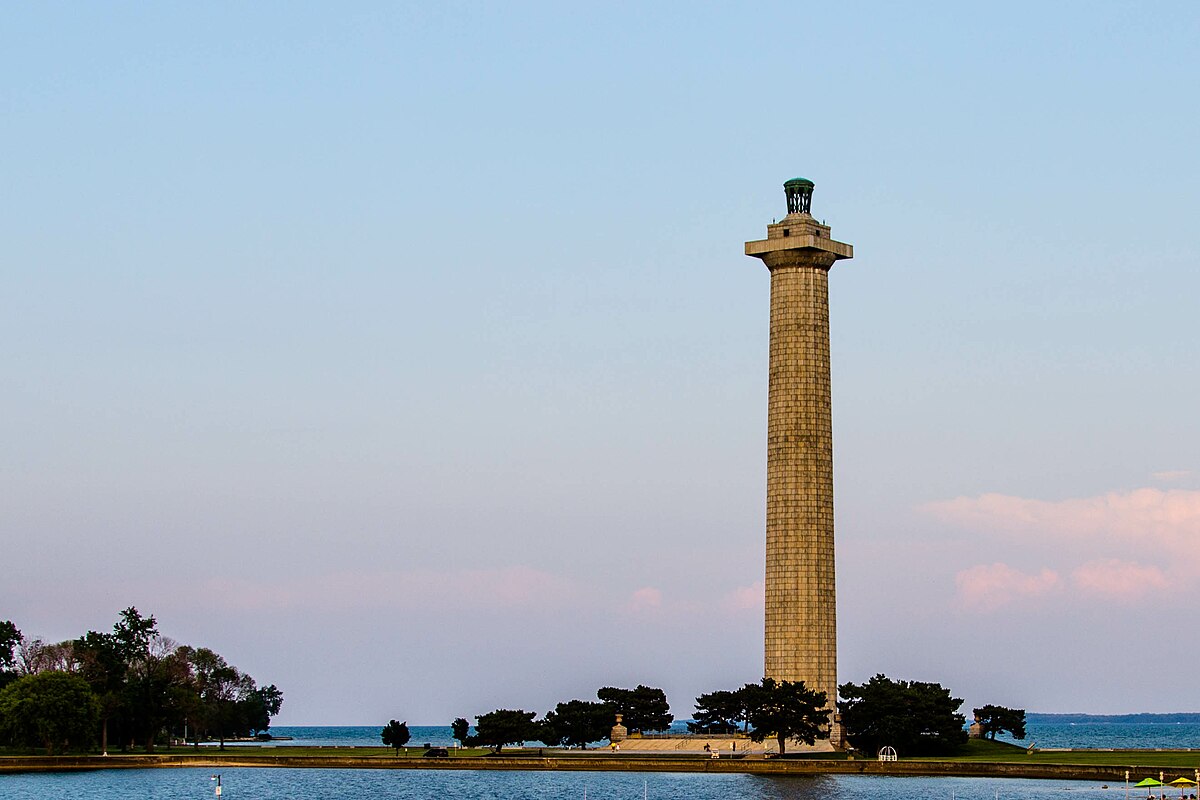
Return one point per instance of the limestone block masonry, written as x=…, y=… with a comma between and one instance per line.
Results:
x=801, y=600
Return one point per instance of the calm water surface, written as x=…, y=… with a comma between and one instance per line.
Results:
x=316, y=784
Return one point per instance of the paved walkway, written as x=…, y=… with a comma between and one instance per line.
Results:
x=724, y=746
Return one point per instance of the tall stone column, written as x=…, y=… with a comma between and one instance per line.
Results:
x=801, y=600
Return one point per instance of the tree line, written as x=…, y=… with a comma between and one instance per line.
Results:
x=916, y=717
x=132, y=686
x=574, y=723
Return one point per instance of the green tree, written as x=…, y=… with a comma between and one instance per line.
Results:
x=547, y=731
x=117, y=666
x=133, y=634
x=217, y=687
x=395, y=734
x=998, y=719
x=504, y=726
x=917, y=718
x=644, y=708
x=576, y=723
x=257, y=707
x=227, y=702
x=10, y=637
x=720, y=712
x=786, y=710
x=145, y=685
x=156, y=692
x=55, y=710
x=461, y=730
x=152, y=677
x=99, y=662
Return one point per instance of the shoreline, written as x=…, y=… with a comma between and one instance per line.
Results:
x=1107, y=773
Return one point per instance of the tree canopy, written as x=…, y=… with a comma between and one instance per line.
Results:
x=100, y=664
x=504, y=726
x=576, y=723
x=260, y=705
x=10, y=638
x=54, y=710
x=224, y=702
x=916, y=718
x=720, y=712
x=786, y=710
x=461, y=730
x=395, y=734
x=146, y=687
x=998, y=719
x=644, y=708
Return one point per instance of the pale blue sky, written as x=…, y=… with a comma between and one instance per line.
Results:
x=408, y=357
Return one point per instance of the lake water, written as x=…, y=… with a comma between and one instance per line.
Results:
x=351, y=784
x=1115, y=735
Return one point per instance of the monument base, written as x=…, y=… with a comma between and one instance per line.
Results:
x=723, y=746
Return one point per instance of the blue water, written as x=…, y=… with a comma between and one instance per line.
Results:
x=350, y=784
x=1102, y=735
x=1111, y=735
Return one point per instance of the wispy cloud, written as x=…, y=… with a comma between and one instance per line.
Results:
x=1166, y=518
x=1137, y=543
x=1121, y=580
x=988, y=587
x=745, y=598
x=645, y=599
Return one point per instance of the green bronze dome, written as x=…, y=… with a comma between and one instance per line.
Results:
x=798, y=182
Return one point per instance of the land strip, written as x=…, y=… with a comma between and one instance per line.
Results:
x=1140, y=764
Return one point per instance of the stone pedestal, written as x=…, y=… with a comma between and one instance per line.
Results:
x=619, y=732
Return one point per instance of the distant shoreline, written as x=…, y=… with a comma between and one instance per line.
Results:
x=1184, y=718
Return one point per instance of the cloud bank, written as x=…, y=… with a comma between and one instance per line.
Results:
x=1120, y=547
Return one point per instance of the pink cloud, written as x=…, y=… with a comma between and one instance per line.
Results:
x=1121, y=580
x=1169, y=519
x=745, y=598
x=1155, y=526
x=987, y=587
x=645, y=599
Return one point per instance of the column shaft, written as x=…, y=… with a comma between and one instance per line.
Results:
x=801, y=621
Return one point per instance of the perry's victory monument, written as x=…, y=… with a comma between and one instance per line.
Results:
x=801, y=615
